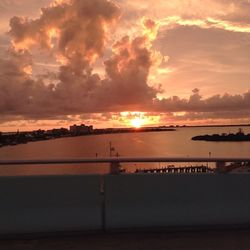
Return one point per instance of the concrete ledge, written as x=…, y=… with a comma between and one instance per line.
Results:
x=54, y=204
x=173, y=200
x=37, y=204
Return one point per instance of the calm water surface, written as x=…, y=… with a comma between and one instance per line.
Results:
x=151, y=144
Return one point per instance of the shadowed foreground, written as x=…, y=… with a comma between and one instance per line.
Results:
x=203, y=240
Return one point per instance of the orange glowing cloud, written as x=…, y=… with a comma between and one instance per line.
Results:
x=204, y=23
x=76, y=33
x=150, y=29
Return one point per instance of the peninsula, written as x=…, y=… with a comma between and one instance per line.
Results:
x=239, y=136
x=15, y=138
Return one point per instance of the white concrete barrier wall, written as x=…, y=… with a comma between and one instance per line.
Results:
x=154, y=200
x=42, y=204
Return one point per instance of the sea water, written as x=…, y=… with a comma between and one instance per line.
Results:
x=142, y=144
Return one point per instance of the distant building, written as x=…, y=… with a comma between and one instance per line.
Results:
x=57, y=132
x=80, y=129
x=38, y=133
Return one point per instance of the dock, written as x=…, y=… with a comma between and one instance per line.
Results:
x=172, y=169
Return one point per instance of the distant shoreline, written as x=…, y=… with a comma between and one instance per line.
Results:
x=17, y=138
x=156, y=127
x=21, y=137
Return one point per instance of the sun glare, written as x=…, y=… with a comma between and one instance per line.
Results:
x=138, y=119
x=136, y=122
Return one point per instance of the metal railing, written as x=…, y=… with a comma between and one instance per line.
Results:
x=116, y=168
x=124, y=160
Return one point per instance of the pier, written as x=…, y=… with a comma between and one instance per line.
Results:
x=172, y=169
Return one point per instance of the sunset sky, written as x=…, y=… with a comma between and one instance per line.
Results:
x=123, y=63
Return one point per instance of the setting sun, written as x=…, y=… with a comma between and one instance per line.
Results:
x=137, y=119
x=136, y=122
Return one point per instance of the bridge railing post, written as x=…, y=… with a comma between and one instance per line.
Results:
x=221, y=167
x=115, y=167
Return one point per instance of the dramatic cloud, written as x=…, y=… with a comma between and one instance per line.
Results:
x=207, y=23
x=126, y=86
x=196, y=103
x=151, y=69
x=230, y=10
x=78, y=30
x=20, y=94
x=78, y=26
